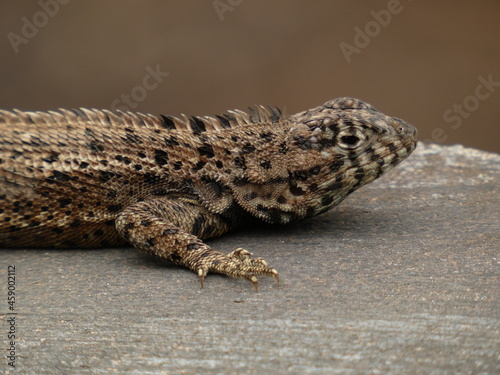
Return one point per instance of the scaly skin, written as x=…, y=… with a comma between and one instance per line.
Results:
x=91, y=178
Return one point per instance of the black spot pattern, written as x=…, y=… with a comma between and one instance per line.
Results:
x=248, y=149
x=193, y=246
x=199, y=165
x=75, y=223
x=240, y=162
x=167, y=122
x=161, y=157
x=266, y=164
x=63, y=202
x=95, y=146
x=224, y=122
x=105, y=176
x=151, y=179
x=206, y=150
x=60, y=176
x=197, y=125
x=53, y=157
x=171, y=141
x=168, y=232
x=198, y=225
x=114, y=207
x=281, y=199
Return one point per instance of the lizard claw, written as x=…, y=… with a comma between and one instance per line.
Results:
x=253, y=279
x=254, y=282
x=201, y=274
x=275, y=276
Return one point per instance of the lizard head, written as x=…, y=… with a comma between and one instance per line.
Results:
x=329, y=152
x=345, y=144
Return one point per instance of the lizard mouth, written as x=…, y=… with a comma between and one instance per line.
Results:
x=394, y=149
x=393, y=154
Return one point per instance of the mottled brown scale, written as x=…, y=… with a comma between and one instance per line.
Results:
x=88, y=178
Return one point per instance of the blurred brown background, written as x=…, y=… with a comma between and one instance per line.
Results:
x=435, y=64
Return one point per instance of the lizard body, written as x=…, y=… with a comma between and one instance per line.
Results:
x=91, y=178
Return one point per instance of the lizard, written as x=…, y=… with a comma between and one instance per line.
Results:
x=87, y=178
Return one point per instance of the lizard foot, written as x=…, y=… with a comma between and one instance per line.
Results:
x=239, y=264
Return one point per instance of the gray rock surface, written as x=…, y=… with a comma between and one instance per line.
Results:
x=402, y=278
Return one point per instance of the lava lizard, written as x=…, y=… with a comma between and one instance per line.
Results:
x=87, y=178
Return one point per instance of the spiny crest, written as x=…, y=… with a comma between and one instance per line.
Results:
x=80, y=116
x=118, y=118
x=233, y=118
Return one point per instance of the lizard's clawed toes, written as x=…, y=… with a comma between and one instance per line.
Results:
x=240, y=264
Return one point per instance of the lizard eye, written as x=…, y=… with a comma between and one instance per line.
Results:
x=350, y=140
x=353, y=139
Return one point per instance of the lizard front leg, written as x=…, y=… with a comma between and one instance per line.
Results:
x=173, y=228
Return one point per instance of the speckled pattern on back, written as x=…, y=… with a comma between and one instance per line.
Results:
x=91, y=178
